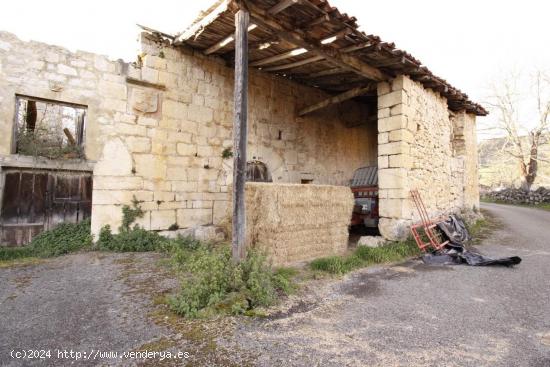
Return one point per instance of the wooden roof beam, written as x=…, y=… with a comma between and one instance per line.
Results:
x=293, y=65
x=355, y=92
x=298, y=51
x=322, y=19
x=281, y=5
x=327, y=72
x=225, y=41
x=266, y=21
x=279, y=57
x=195, y=29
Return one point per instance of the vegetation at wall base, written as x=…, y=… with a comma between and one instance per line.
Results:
x=211, y=281
x=130, y=239
x=136, y=239
x=65, y=238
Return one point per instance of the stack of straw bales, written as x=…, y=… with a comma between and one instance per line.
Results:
x=294, y=222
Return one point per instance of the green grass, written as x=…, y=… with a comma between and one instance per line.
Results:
x=543, y=206
x=364, y=256
x=24, y=261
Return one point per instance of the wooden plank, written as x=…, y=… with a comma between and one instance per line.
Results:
x=266, y=21
x=10, y=199
x=322, y=19
x=225, y=41
x=327, y=72
x=195, y=29
x=279, y=57
x=298, y=51
x=282, y=5
x=240, y=130
x=69, y=136
x=294, y=64
x=39, y=197
x=25, y=198
x=356, y=47
x=336, y=99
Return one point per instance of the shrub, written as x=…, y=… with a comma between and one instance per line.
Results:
x=282, y=279
x=65, y=238
x=135, y=240
x=214, y=283
x=130, y=239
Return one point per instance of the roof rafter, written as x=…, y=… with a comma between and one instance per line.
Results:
x=266, y=21
x=352, y=93
x=225, y=41
x=195, y=29
x=298, y=51
x=279, y=7
x=294, y=64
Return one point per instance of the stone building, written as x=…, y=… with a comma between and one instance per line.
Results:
x=160, y=128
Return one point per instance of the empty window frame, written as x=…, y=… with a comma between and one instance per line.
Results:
x=51, y=129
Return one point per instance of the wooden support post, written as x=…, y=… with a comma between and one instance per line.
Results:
x=240, y=134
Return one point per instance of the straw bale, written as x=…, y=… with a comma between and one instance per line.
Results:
x=295, y=222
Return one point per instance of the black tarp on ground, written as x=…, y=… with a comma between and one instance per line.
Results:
x=455, y=252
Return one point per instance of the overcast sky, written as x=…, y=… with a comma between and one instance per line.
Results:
x=469, y=42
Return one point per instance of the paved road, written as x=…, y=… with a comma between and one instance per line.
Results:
x=416, y=315
x=81, y=302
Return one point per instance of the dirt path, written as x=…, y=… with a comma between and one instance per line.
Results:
x=404, y=315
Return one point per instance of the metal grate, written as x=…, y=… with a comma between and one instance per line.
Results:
x=365, y=176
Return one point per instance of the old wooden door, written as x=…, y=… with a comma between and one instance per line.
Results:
x=37, y=200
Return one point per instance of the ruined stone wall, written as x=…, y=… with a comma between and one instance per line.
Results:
x=426, y=147
x=50, y=72
x=158, y=130
x=40, y=70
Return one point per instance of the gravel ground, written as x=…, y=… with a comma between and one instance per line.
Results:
x=418, y=315
x=80, y=302
x=402, y=315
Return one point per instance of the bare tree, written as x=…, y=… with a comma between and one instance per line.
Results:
x=523, y=137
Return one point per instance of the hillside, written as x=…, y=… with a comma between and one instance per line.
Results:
x=497, y=168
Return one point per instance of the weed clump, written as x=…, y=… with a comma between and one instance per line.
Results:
x=65, y=238
x=130, y=239
x=135, y=240
x=214, y=283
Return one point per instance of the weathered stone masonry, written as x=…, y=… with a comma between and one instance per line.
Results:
x=160, y=135
x=158, y=131
x=424, y=146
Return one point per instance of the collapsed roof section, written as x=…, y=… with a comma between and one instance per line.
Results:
x=311, y=42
